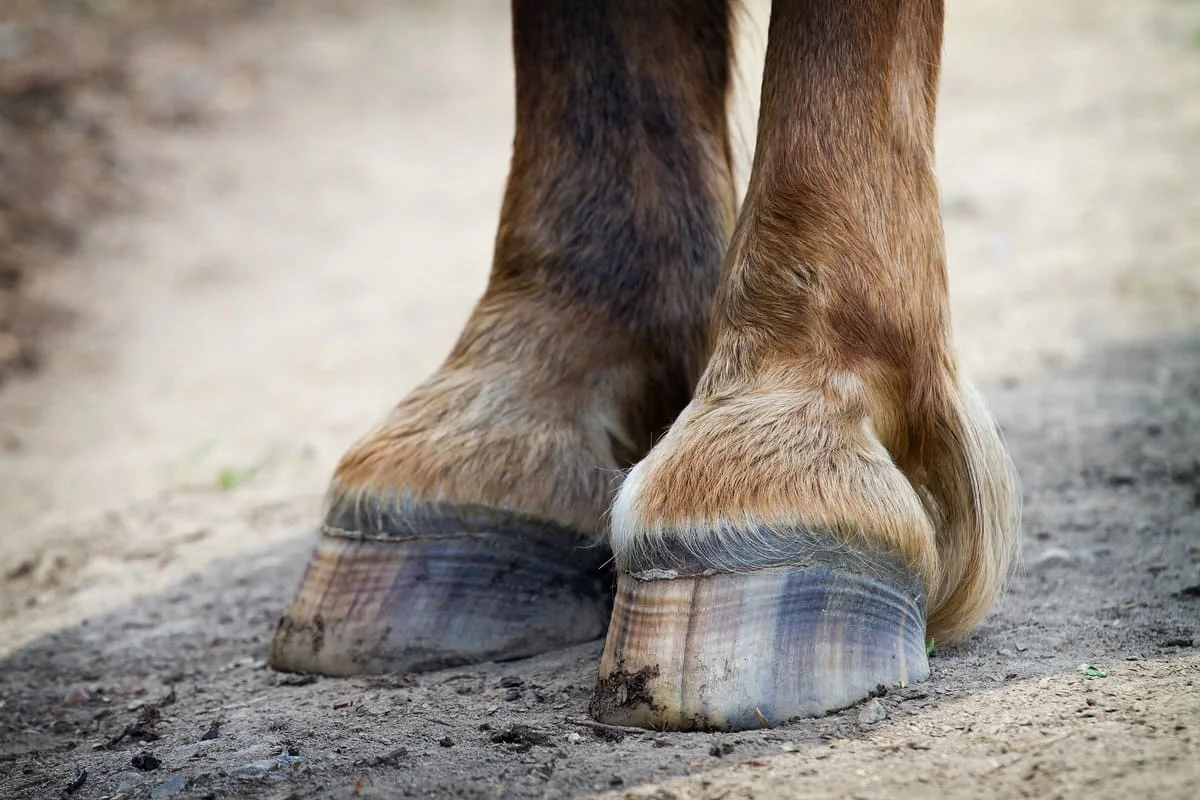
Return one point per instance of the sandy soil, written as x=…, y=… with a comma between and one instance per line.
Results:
x=306, y=252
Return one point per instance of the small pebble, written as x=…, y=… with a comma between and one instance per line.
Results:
x=146, y=761
x=76, y=782
x=1053, y=557
x=871, y=712
x=255, y=769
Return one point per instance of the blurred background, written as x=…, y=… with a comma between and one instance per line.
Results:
x=234, y=232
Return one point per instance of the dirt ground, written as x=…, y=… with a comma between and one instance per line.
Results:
x=72, y=74
x=307, y=239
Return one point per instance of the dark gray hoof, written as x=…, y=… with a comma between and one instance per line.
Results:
x=414, y=589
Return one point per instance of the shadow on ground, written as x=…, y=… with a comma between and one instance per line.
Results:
x=170, y=697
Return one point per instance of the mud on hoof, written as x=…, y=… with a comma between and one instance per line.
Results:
x=394, y=588
x=716, y=641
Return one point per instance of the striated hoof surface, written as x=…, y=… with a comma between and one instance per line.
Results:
x=692, y=648
x=412, y=589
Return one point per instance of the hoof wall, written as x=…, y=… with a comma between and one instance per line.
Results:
x=738, y=651
x=440, y=588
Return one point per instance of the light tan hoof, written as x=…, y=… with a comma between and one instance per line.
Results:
x=742, y=650
x=420, y=589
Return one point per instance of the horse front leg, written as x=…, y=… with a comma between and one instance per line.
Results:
x=836, y=491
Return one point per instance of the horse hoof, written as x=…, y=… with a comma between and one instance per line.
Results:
x=741, y=650
x=413, y=590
